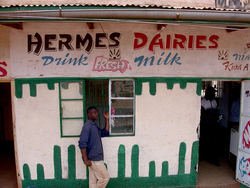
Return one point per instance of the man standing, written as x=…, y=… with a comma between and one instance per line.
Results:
x=90, y=144
x=209, y=127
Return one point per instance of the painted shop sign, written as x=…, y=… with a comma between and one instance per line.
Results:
x=61, y=42
x=126, y=51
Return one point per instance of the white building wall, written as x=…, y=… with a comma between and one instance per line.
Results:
x=162, y=122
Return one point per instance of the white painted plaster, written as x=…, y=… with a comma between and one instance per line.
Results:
x=38, y=130
x=162, y=122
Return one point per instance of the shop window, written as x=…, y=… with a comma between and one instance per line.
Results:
x=72, y=107
x=97, y=95
x=121, y=102
x=115, y=96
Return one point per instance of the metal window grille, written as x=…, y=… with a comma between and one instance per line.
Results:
x=121, y=102
x=97, y=95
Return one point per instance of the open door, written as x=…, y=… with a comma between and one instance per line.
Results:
x=243, y=159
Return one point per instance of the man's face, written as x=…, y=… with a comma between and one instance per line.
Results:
x=93, y=114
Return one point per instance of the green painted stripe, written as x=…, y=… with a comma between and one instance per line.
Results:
x=57, y=162
x=19, y=82
x=40, y=172
x=72, y=162
x=182, y=154
x=166, y=180
x=71, y=99
x=135, y=162
x=170, y=81
x=151, y=173
x=164, y=170
x=73, y=118
x=121, y=161
x=26, y=172
x=194, y=160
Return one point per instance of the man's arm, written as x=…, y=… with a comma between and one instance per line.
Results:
x=106, y=115
x=87, y=162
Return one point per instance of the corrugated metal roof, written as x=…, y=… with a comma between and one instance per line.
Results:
x=143, y=12
x=166, y=4
x=140, y=3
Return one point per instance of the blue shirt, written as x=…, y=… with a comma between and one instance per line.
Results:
x=90, y=138
x=234, y=114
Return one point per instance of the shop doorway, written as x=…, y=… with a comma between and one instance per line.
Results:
x=223, y=173
x=7, y=158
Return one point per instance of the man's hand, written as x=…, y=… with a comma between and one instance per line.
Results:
x=106, y=115
x=87, y=163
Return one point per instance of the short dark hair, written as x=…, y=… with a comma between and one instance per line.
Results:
x=91, y=108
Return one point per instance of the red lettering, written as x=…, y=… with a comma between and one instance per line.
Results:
x=199, y=43
x=154, y=43
x=227, y=65
x=213, y=39
x=179, y=40
x=168, y=42
x=236, y=67
x=176, y=41
x=144, y=40
x=4, y=72
x=231, y=66
x=191, y=42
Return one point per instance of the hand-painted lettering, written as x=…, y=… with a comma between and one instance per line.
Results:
x=66, y=42
x=37, y=43
x=104, y=64
x=54, y=42
x=247, y=93
x=3, y=70
x=175, y=42
x=82, y=42
x=168, y=42
x=241, y=57
x=180, y=41
x=191, y=42
x=231, y=66
x=143, y=61
x=245, y=67
x=156, y=41
x=214, y=40
x=63, y=61
x=199, y=42
x=98, y=42
x=48, y=42
x=115, y=37
x=140, y=40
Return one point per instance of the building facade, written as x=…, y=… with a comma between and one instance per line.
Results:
x=145, y=66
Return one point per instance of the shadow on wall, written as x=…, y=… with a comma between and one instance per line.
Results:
x=166, y=180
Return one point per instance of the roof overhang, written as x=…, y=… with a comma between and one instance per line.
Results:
x=159, y=15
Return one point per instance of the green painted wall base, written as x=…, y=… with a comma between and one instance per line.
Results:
x=243, y=186
x=180, y=180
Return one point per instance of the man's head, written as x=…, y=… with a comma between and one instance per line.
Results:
x=210, y=93
x=92, y=113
